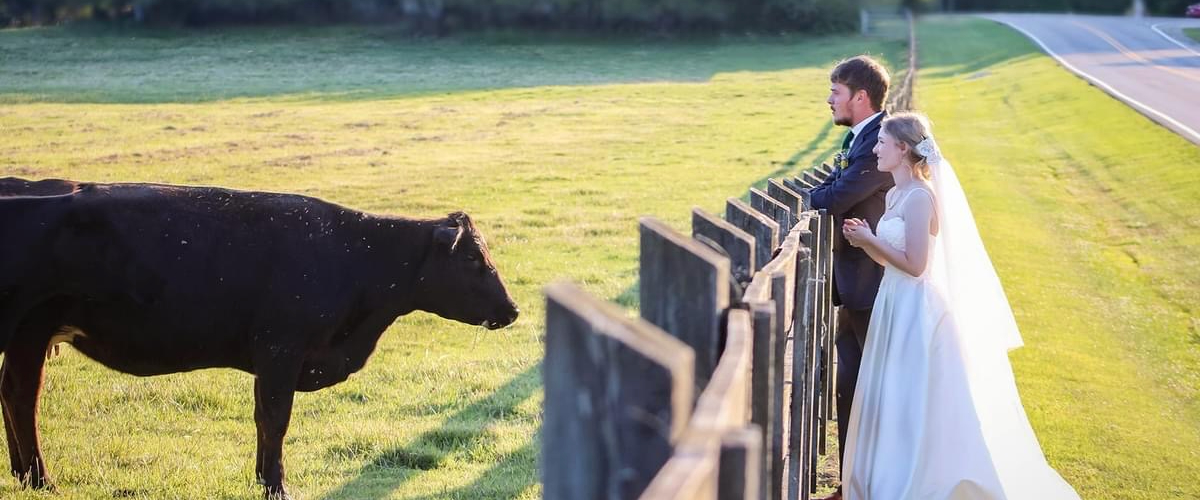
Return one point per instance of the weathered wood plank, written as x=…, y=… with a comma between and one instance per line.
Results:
x=778, y=212
x=830, y=321
x=782, y=270
x=618, y=394
x=764, y=229
x=684, y=290
x=736, y=242
x=786, y=195
x=801, y=190
x=691, y=473
x=725, y=401
x=803, y=362
x=739, y=471
x=765, y=413
x=810, y=178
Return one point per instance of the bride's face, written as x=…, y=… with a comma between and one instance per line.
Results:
x=888, y=151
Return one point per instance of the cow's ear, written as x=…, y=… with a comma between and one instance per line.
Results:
x=447, y=235
x=462, y=219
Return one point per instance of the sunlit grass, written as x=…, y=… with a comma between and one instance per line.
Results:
x=1091, y=213
x=1193, y=33
x=554, y=148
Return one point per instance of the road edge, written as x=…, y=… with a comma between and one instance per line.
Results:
x=1151, y=113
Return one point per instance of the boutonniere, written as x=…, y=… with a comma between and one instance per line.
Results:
x=841, y=159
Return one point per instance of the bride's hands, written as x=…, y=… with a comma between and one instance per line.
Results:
x=856, y=231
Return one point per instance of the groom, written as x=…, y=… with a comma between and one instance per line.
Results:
x=856, y=189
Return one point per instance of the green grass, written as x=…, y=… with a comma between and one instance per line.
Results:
x=556, y=146
x=555, y=149
x=1193, y=33
x=1091, y=213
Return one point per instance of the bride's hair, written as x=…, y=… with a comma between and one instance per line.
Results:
x=910, y=128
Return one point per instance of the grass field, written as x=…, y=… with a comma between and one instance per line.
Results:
x=1091, y=213
x=555, y=147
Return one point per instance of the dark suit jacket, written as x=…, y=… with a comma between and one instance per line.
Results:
x=856, y=191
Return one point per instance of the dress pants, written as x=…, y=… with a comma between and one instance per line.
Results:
x=850, y=341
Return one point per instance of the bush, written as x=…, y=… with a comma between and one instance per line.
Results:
x=441, y=15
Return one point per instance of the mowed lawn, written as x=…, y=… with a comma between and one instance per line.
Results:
x=555, y=146
x=1091, y=213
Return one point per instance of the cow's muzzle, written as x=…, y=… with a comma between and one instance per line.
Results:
x=508, y=319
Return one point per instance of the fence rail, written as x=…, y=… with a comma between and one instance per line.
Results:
x=723, y=387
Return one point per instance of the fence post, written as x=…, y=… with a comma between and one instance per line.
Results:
x=766, y=411
x=736, y=242
x=618, y=393
x=803, y=364
x=684, y=290
x=740, y=468
x=827, y=311
x=801, y=190
x=786, y=195
x=772, y=208
x=764, y=230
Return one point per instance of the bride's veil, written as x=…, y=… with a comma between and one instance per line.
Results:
x=961, y=266
x=987, y=330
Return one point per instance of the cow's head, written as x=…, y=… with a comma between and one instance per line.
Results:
x=459, y=280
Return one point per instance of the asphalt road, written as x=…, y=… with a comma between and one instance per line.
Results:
x=1148, y=63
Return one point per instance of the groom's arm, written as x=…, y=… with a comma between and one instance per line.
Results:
x=856, y=182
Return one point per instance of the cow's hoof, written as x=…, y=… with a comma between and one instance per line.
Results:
x=276, y=493
x=35, y=482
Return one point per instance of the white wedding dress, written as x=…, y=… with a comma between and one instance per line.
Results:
x=936, y=417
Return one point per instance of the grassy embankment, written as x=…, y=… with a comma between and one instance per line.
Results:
x=1091, y=213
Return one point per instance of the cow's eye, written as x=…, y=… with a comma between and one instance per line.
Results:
x=472, y=257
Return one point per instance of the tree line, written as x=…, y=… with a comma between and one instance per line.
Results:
x=450, y=15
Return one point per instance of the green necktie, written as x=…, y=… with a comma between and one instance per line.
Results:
x=846, y=142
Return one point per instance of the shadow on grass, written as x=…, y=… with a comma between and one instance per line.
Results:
x=342, y=64
x=460, y=432
x=809, y=151
x=501, y=482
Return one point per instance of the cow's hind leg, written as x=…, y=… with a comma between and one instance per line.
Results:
x=20, y=390
x=14, y=457
x=274, y=391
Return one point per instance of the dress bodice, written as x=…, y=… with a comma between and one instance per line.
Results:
x=891, y=231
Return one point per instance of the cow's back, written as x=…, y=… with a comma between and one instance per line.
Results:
x=16, y=186
x=223, y=269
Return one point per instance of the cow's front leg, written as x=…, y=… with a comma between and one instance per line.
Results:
x=274, y=390
x=20, y=388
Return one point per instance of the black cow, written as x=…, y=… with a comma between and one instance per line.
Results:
x=154, y=279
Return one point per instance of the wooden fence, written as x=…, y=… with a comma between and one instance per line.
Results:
x=723, y=387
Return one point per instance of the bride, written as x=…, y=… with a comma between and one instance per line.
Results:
x=936, y=413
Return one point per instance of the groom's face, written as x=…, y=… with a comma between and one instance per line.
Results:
x=839, y=103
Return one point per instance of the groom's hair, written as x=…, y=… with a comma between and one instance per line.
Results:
x=863, y=73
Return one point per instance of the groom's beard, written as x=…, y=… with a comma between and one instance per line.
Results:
x=842, y=121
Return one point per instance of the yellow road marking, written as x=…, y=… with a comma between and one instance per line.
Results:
x=1134, y=55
